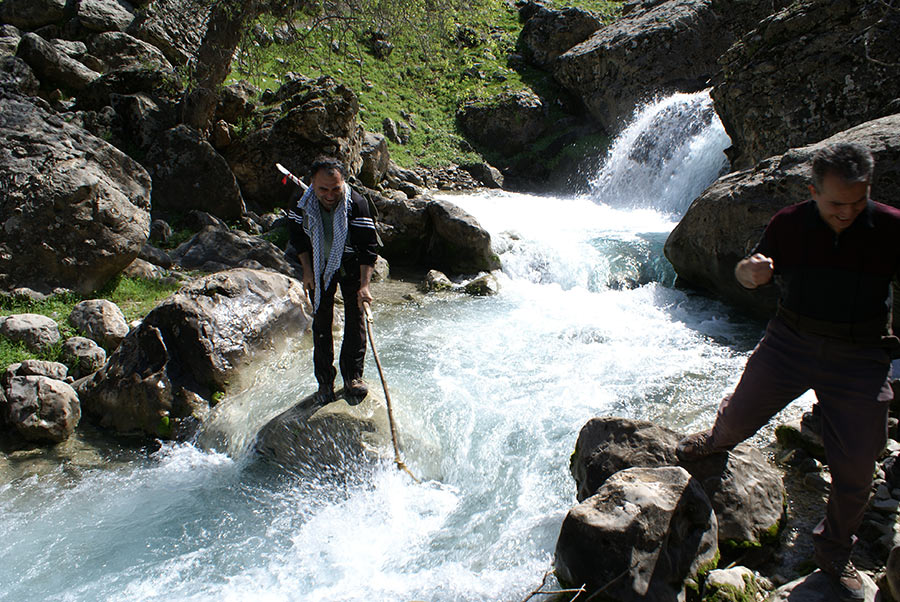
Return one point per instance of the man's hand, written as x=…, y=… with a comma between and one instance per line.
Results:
x=364, y=295
x=754, y=271
x=309, y=279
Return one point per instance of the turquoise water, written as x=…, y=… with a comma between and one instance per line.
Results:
x=489, y=395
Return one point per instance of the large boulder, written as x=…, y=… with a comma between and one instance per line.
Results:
x=548, y=33
x=164, y=376
x=609, y=444
x=726, y=222
x=161, y=85
x=319, y=118
x=317, y=441
x=236, y=102
x=75, y=209
x=641, y=536
x=809, y=71
x=100, y=320
x=104, y=15
x=120, y=49
x=509, y=122
x=213, y=249
x=41, y=409
x=656, y=48
x=37, y=332
x=52, y=67
x=375, y=159
x=176, y=27
x=17, y=76
x=747, y=494
x=32, y=14
x=188, y=173
x=459, y=243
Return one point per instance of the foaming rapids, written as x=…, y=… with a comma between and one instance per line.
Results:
x=666, y=156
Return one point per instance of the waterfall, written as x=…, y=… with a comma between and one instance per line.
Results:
x=665, y=157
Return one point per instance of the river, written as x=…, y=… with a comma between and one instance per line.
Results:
x=490, y=394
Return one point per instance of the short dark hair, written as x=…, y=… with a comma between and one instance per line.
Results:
x=849, y=161
x=327, y=163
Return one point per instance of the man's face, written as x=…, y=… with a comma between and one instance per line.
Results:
x=328, y=184
x=839, y=201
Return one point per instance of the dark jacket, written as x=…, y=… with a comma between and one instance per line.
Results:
x=361, y=247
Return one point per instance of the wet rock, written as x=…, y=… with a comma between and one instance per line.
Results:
x=104, y=15
x=459, y=243
x=36, y=331
x=221, y=249
x=747, y=494
x=319, y=117
x=32, y=14
x=608, y=444
x=320, y=441
x=41, y=409
x=548, y=33
x=483, y=286
x=375, y=159
x=764, y=96
x=656, y=48
x=727, y=220
x=486, y=174
x=120, y=49
x=76, y=210
x=100, y=320
x=642, y=535
x=162, y=378
x=508, y=123
x=189, y=174
x=83, y=356
x=816, y=587
x=437, y=281
x=52, y=67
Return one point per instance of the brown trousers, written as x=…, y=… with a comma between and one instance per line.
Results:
x=852, y=384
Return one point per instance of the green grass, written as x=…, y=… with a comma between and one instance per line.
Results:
x=424, y=76
x=134, y=296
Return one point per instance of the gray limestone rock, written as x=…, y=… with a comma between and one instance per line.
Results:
x=41, y=409
x=218, y=248
x=31, y=14
x=162, y=378
x=100, y=320
x=36, y=331
x=547, y=33
x=105, y=15
x=508, y=122
x=642, y=536
x=52, y=67
x=75, y=210
x=83, y=356
x=120, y=49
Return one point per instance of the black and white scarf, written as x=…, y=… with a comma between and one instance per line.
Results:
x=324, y=268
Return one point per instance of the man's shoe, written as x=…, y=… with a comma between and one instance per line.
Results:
x=696, y=447
x=845, y=580
x=324, y=395
x=357, y=387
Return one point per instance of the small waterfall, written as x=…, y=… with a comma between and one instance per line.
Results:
x=669, y=153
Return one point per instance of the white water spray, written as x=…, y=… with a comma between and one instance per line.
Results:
x=666, y=157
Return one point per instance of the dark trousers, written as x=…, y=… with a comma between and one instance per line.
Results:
x=852, y=384
x=353, y=347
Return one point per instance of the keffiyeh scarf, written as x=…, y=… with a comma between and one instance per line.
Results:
x=324, y=268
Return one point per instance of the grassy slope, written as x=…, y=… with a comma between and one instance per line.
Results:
x=423, y=76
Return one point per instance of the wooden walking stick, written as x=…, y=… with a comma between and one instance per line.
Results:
x=387, y=396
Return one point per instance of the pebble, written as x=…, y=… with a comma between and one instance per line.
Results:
x=817, y=481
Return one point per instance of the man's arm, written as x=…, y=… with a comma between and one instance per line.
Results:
x=754, y=271
x=309, y=280
x=365, y=276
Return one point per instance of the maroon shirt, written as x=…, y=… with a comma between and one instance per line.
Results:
x=840, y=278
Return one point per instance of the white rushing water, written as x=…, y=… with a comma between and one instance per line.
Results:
x=490, y=394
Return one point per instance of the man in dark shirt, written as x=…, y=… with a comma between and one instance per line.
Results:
x=834, y=258
x=333, y=232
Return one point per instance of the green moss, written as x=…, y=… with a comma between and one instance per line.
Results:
x=164, y=428
x=729, y=593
